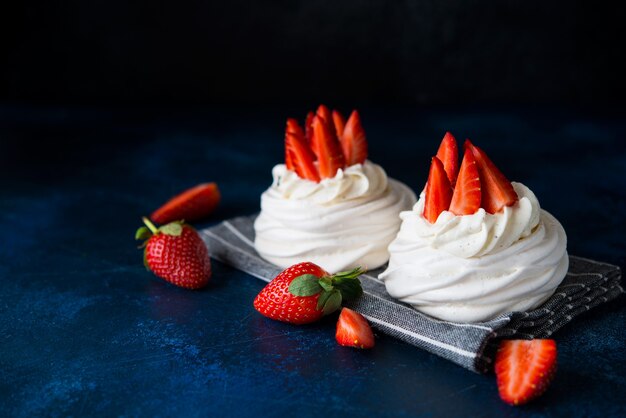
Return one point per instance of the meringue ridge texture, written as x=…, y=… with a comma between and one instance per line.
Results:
x=472, y=268
x=339, y=223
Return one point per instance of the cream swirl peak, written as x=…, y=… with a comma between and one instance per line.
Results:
x=356, y=181
x=474, y=235
x=338, y=223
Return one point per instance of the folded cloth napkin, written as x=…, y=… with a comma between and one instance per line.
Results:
x=588, y=284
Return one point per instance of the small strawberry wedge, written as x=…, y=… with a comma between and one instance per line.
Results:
x=308, y=128
x=353, y=141
x=353, y=330
x=340, y=123
x=497, y=191
x=448, y=153
x=467, y=195
x=524, y=369
x=191, y=205
x=298, y=154
x=329, y=155
x=438, y=191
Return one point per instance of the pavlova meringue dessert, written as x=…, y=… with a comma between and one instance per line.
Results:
x=328, y=203
x=475, y=246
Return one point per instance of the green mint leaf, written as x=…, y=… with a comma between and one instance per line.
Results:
x=305, y=285
x=333, y=303
x=173, y=229
x=143, y=233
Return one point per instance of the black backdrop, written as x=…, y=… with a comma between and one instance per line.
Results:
x=357, y=52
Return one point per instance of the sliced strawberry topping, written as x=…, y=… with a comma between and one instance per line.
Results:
x=329, y=155
x=467, y=194
x=308, y=128
x=353, y=330
x=448, y=153
x=353, y=141
x=524, y=369
x=191, y=205
x=298, y=153
x=340, y=123
x=497, y=191
x=293, y=128
x=438, y=191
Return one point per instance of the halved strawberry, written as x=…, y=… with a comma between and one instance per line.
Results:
x=353, y=330
x=497, y=191
x=467, y=195
x=438, y=191
x=191, y=205
x=524, y=369
x=330, y=158
x=353, y=141
x=300, y=155
x=448, y=153
x=340, y=123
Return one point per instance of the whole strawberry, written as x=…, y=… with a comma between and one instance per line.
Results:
x=176, y=253
x=305, y=292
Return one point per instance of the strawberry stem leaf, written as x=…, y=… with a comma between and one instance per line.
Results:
x=143, y=233
x=333, y=302
x=150, y=225
x=173, y=229
x=327, y=283
x=305, y=285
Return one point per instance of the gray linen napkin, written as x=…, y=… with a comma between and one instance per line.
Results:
x=588, y=284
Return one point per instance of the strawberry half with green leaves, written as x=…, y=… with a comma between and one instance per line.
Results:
x=438, y=191
x=467, y=193
x=353, y=330
x=176, y=253
x=353, y=141
x=305, y=292
x=497, y=191
x=524, y=369
x=448, y=154
x=191, y=205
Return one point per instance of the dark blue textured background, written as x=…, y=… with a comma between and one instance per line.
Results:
x=85, y=329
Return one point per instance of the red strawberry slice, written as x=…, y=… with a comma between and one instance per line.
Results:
x=524, y=369
x=305, y=292
x=340, y=123
x=191, y=205
x=353, y=141
x=176, y=253
x=448, y=153
x=324, y=112
x=293, y=128
x=329, y=155
x=308, y=129
x=353, y=330
x=298, y=153
x=467, y=194
x=497, y=191
x=438, y=191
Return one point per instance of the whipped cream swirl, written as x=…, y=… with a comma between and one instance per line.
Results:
x=474, y=267
x=338, y=223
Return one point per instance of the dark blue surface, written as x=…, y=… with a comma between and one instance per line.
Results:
x=86, y=330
